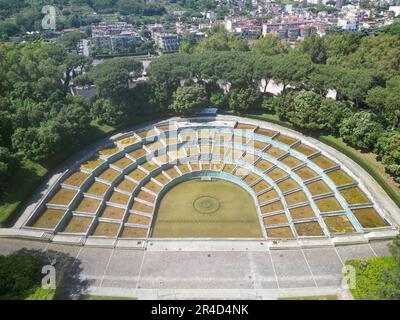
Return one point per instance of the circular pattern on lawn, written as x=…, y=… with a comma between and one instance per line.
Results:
x=206, y=204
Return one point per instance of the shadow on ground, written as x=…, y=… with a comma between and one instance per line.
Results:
x=69, y=284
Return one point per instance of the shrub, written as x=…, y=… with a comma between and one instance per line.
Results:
x=19, y=275
x=391, y=288
x=189, y=99
x=242, y=100
x=371, y=278
x=361, y=130
x=388, y=149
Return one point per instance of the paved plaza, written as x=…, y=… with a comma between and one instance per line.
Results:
x=162, y=273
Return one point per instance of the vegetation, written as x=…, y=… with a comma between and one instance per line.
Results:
x=365, y=113
x=20, y=17
x=41, y=123
x=369, y=164
x=189, y=99
x=378, y=278
x=20, y=277
x=38, y=117
x=236, y=218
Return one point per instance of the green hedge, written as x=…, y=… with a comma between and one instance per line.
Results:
x=370, y=279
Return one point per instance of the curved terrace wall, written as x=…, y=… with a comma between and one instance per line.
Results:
x=283, y=139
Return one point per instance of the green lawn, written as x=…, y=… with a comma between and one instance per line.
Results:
x=30, y=174
x=274, y=118
x=20, y=186
x=370, y=278
x=196, y=208
x=42, y=294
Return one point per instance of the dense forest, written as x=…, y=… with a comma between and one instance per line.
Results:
x=38, y=116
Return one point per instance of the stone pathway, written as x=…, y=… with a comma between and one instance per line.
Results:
x=164, y=274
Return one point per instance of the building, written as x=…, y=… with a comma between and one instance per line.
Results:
x=292, y=29
x=114, y=36
x=167, y=42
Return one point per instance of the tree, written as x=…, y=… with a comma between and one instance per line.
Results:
x=7, y=164
x=339, y=46
x=291, y=69
x=386, y=102
x=27, y=20
x=108, y=113
x=306, y=105
x=71, y=39
x=388, y=149
x=350, y=84
x=242, y=100
x=222, y=42
x=189, y=99
x=166, y=74
x=309, y=110
x=314, y=47
x=74, y=65
x=238, y=44
x=112, y=77
x=379, y=53
x=219, y=100
x=283, y=104
x=216, y=42
x=270, y=45
x=264, y=68
x=188, y=43
x=38, y=143
x=19, y=274
x=332, y=113
x=361, y=130
x=8, y=29
x=129, y=7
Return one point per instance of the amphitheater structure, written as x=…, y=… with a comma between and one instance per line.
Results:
x=303, y=194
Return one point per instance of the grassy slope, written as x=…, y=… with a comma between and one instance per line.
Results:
x=30, y=174
x=42, y=294
x=25, y=179
x=366, y=160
